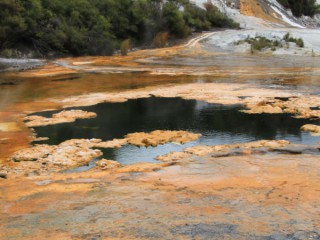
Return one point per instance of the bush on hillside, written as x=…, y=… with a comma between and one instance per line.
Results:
x=298, y=41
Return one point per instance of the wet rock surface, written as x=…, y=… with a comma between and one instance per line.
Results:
x=298, y=149
x=258, y=147
x=263, y=147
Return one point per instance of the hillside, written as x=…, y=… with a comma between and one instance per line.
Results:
x=36, y=28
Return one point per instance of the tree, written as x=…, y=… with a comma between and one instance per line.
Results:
x=302, y=7
x=174, y=20
x=12, y=22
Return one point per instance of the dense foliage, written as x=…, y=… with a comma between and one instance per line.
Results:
x=97, y=27
x=301, y=7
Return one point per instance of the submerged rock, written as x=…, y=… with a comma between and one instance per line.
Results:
x=298, y=149
x=160, y=137
x=173, y=156
x=61, y=117
x=257, y=147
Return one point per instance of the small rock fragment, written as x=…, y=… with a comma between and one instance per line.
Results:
x=105, y=164
x=3, y=175
x=115, y=143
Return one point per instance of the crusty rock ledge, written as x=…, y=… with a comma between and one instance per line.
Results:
x=311, y=128
x=61, y=117
x=160, y=137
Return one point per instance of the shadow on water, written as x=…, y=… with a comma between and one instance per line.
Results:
x=218, y=125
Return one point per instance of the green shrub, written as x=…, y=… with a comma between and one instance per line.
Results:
x=286, y=37
x=298, y=41
x=260, y=43
x=124, y=47
x=7, y=53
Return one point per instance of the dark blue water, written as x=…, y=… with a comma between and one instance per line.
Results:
x=218, y=125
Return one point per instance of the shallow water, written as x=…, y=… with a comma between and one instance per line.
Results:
x=218, y=125
x=295, y=72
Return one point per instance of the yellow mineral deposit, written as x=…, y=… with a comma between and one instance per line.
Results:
x=9, y=127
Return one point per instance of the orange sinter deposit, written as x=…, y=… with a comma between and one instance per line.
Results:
x=259, y=9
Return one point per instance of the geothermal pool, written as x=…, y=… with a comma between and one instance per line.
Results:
x=218, y=125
